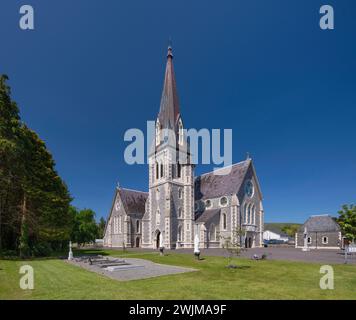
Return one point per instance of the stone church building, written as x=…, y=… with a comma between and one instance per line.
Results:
x=178, y=204
x=321, y=232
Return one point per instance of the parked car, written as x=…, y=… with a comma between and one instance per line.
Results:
x=275, y=241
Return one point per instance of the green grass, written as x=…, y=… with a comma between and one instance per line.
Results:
x=56, y=279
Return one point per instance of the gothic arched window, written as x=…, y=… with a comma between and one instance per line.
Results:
x=246, y=212
x=179, y=170
x=212, y=232
x=115, y=224
x=162, y=173
x=180, y=233
x=249, y=214
x=137, y=226
x=180, y=193
x=179, y=212
x=224, y=222
x=157, y=170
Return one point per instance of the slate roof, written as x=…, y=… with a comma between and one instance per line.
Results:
x=134, y=201
x=207, y=215
x=210, y=185
x=169, y=108
x=320, y=223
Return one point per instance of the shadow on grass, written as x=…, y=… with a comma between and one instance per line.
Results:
x=13, y=258
x=90, y=252
x=237, y=267
x=63, y=255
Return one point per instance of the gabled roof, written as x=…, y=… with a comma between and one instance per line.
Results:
x=211, y=185
x=207, y=215
x=169, y=108
x=134, y=201
x=320, y=223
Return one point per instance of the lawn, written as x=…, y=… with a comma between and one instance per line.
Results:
x=56, y=279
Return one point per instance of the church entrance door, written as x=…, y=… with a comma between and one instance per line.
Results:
x=158, y=239
x=248, y=242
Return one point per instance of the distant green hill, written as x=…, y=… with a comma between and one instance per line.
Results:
x=285, y=228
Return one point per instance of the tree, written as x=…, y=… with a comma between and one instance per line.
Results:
x=233, y=246
x=85, y=229
x=11, y=167
x=347, y=221
x=101, y=228
x=30, y=185
x=48, y=196
x=291, y=229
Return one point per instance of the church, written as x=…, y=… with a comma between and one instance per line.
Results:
x=178, y=204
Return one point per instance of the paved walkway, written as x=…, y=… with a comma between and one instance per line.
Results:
x=142, y=269
x=278, y=253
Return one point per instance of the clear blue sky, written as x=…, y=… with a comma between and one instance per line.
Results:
x=92, y=69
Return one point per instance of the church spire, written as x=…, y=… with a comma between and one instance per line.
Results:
x=169, y=108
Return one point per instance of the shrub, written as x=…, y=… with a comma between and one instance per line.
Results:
x=42, y=249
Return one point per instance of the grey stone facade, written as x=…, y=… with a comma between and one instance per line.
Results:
x=178, y=205
x=223, y=206
x=322, y=232
x=124, y=224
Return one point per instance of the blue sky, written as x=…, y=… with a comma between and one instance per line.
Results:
x=93, y=69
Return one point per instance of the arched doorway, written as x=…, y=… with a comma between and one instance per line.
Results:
x=158, y=236
x=248, y=242
x=137, y=242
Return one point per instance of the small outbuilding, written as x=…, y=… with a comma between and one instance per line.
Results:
x=322, y=232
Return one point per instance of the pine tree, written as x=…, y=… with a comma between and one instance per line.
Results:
x=11, y=168
x=27, y=171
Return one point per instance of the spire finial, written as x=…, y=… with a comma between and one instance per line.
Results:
x=248, y=156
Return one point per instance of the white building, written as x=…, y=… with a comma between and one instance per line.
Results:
x=273, y=235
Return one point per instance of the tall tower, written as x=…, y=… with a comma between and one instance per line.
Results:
x=169, y=217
